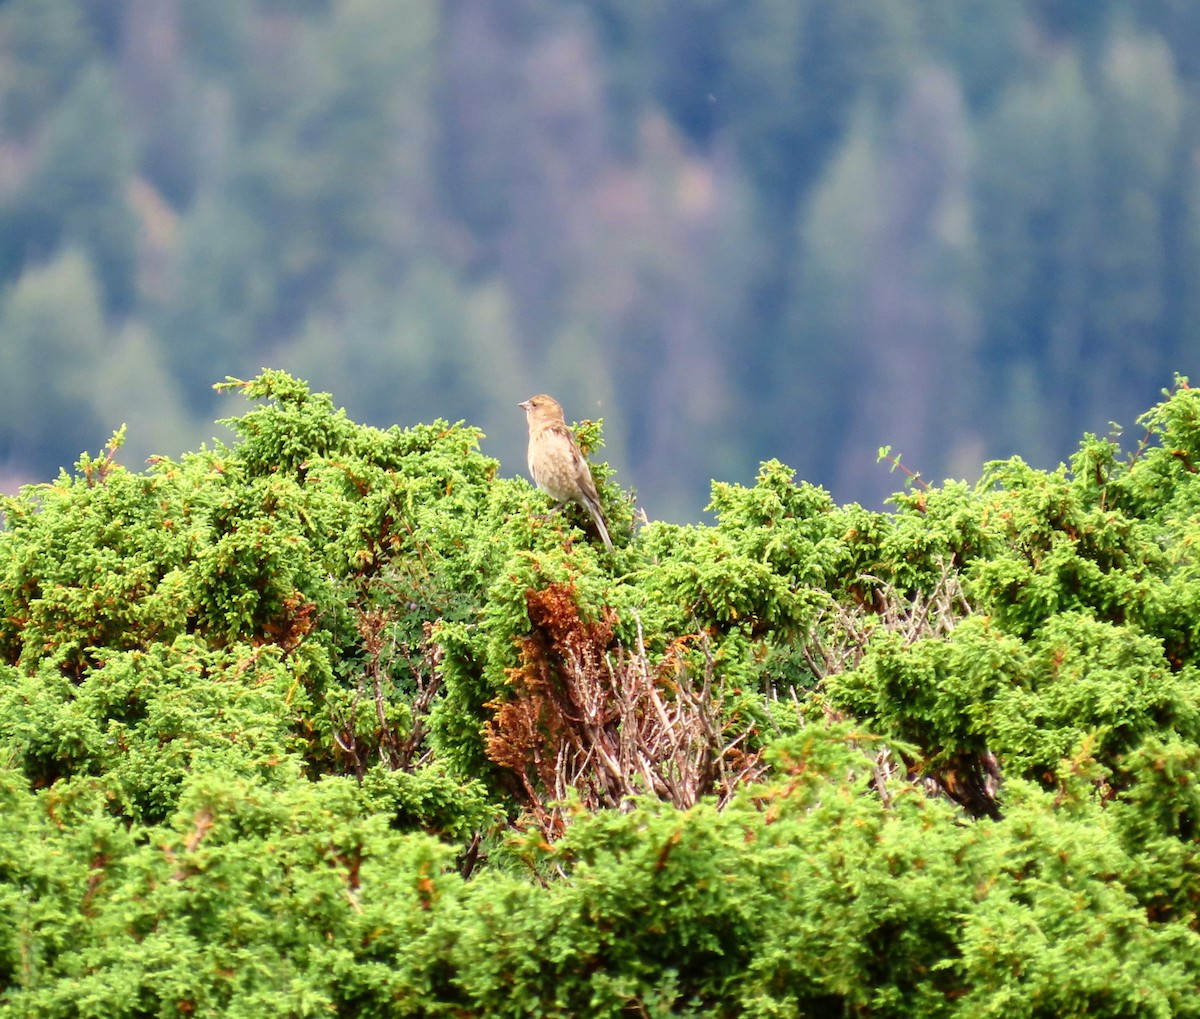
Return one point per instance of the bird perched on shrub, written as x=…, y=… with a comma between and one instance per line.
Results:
x=556, y=463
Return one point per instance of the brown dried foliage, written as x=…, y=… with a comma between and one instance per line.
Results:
x=594, y=718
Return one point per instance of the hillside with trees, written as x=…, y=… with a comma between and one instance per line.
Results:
x=736, y=230
x=336, y=720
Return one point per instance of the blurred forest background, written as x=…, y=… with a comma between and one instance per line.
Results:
x=736, y=229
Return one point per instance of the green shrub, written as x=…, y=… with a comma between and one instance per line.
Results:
x=335, y=720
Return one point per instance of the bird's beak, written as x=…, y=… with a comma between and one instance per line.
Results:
x=524, y=406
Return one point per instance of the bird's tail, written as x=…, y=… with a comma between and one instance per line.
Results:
x=598, y=519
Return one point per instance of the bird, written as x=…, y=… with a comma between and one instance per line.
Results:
x=556, y=463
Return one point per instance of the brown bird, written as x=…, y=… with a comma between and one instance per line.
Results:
x=555, y=462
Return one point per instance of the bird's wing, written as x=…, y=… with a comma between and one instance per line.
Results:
x=583, y=472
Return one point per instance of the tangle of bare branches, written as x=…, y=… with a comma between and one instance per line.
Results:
x=599, y=723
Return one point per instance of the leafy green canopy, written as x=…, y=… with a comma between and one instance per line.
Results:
x=336, y=720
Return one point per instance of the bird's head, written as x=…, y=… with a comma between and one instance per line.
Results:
x=542, y=408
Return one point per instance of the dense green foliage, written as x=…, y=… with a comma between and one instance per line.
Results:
x=738, y=228
x=334, y=720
